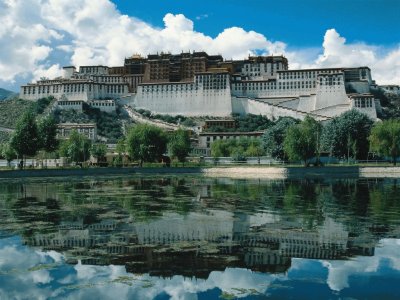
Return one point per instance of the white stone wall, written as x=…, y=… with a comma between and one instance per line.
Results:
x=330, y=91
x=210, y=95
x=245, y=106
x=82, y=90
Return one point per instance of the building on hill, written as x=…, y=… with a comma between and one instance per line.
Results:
x=89, y=130
x=65, y=104
x=104, y=105
x=391, y=89
x=221, y=123
x=198, y=84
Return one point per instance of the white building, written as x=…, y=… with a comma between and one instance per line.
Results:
x=103, y=105
x=259, y=85
x=88, y=84
x=65, y=104
x=209, y=94
x=89, y=130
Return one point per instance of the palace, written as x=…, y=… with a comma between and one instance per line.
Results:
x=198, y=84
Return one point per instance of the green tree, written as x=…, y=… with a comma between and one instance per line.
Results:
x=179, y=144
x=98, y=151
x=25, y=139
x=255, y=148
x=146, y=143
x=76, y=148
x=274, y=136
x=347, y=135
x=220, y=148
x=8, y=153
x=385, y=138
x=302, y=140
x=47, y=131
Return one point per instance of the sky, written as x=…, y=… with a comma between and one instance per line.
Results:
x=39, y=37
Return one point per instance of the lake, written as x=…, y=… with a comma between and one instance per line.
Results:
x=189, y=237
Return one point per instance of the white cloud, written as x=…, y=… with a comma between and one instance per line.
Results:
x=51, y=72
x=95, y=32
x=339, y=272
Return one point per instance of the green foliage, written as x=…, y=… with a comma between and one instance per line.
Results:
x=179, y=144
x=109, y=125
x=4, y=136
x=11, y=111
x=98, y=150
x=252, y=122
x=76, y=148
x=7, y=152
x=121, y=146
x=238, y=149
x=146, y=143
x=25, y=139
x=220, y=148
x=41, y=104
x=347, y=135
x=247, y=123
x=47, y=131
x=302, y=140
x=385, y=138
x=179, y=119
x=188, y=123
x=255, y=148
x=274, y=136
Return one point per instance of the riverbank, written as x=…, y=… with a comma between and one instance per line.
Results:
x=239, y=172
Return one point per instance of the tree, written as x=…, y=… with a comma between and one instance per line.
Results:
x=274, y=136
x=179, y=144
x=8, y=153
x=302, y=140
x=347, y=135
x=146, y=143
x=385, y=138
x=47, y=131
x=76, y=148
x=254, y=148
x=220, y=148
x=98, y=151
x=25, y=139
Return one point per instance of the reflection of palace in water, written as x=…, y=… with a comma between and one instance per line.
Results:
x=215, y=233
x=198, y=243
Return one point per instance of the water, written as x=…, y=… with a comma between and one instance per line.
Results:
x=196, y=238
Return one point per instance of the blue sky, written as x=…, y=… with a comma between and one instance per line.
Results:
x=38, y=37
x=301, y=23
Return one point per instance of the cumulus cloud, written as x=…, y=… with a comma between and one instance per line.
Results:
x=384, y=63
x=339, y=272
x=95, y=32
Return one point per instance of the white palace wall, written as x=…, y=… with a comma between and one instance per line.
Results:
x=208, y=95
x=245, y=106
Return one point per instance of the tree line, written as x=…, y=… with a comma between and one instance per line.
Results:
x=352, y=135
x=143, y=143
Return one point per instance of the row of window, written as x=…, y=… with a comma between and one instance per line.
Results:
x=69, y=103
x=111, y=79
x=69, y=88
x=363, y=102
x=304, y=74
x=98, y=104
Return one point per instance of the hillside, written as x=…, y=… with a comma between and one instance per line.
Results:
x=11, y=110
x=6, y=94
x=109, y=125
